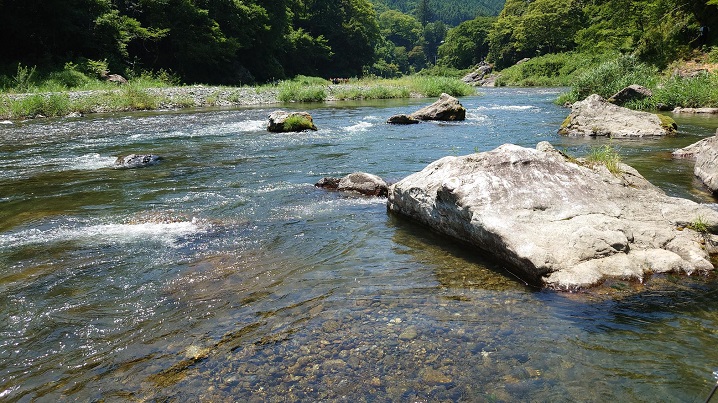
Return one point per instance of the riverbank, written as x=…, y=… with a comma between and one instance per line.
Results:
x=134, y=97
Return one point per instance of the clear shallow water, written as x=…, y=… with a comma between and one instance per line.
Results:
x=223, y=274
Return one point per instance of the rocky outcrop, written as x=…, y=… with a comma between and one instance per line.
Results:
x=114, y=78
x=555, y=220
x=283, y=122
x=359, y=182
x=631, y=93
x=137, y=160
x=480, y=76
x=705, y=154
x=446, y=108
x=594, y=116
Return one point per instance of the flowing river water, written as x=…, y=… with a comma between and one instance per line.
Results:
x=223, y=274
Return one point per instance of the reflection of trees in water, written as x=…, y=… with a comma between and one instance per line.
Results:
x=454, y=264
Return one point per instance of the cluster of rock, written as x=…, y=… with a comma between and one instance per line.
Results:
x=481, y=76
x=595, y=116
x=446, y=108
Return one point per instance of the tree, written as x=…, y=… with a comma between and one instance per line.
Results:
x=467, y=44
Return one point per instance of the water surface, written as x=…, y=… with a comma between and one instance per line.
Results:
x=223, y=274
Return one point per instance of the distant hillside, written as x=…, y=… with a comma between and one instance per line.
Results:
x=451, y=12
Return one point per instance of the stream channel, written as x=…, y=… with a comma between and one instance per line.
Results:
x=223, y=274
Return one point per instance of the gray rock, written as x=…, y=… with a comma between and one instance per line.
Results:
x=402, y=120
x=137, y=160
x=479, y=76
x=359, y=182
x=705, y=154
x=277, y=122
x=594, y=116
x=447, y=108
x=554, y=220
x=697, y=111
x=630, y=93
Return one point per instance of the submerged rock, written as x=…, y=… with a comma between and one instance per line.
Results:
x=705, y=154
x=283, y=122
x=446, y=108
x=594, y=116
x=137, y=160
x=402, y=120
x=558, y=221
x=359, y=182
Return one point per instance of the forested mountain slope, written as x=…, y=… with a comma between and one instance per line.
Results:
x=451, y=12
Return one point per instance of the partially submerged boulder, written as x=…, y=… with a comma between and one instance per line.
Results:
x=631, y=93
x=446, y=108
x=705, y=154
x=594, y=116
x=696, y=111
x=402, y=120
x=284, y=122
x=359, y=182
x=137, y=160
x=557, y=221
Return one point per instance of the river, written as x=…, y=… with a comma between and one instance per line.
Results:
x=223, y=274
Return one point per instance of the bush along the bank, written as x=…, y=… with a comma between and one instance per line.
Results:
x=700, y=90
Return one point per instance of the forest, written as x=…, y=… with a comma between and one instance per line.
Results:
x=238, y=42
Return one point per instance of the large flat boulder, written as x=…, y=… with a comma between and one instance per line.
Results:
x=555, y=220
x=705, y=154
x=594, y=116
x=446, y=108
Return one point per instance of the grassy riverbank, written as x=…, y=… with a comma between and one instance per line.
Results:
x=687, y=83
x=51, y=98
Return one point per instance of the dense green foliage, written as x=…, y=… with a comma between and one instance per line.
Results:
x=552, y=70
x=215, y=41
x=467, y=44
x=657, y=31
x=450, y=12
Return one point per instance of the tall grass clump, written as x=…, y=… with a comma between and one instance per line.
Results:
x=552, y=70
x=376, y=90
x=37, y=105
x=607, y=156
x=433, y=86
x=610, y=77
x=687, y=92
x=291, y=91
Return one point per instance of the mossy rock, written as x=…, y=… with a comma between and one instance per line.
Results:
x=668, y=123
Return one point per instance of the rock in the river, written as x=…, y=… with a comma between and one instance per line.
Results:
x=137, y=160
x=402, y=120
x=696, y=111
x=630, y=93
x=283, y=121
x=446, y=108
x=705, y=153
x=594, y=116
x=558, y=221
x=360, y=182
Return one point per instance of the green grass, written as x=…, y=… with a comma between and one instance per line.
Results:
x=290, y=91
x=553, y=70
x=606, y=156
x=698, y=225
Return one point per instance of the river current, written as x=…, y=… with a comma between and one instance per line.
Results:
x=223, y=274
